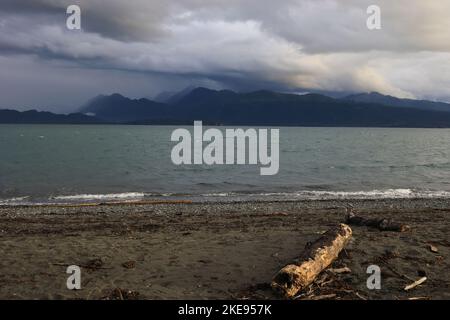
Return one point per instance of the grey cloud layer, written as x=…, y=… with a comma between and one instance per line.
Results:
x=316, y=44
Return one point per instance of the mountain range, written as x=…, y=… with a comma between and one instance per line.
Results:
x=36, y=117
x=375, y=97
x=268, y=108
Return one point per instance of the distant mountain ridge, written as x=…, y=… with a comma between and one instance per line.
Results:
x=117, y=108
x=173, y=97
x=375, y=97
x=263, y=107
x=36, y=117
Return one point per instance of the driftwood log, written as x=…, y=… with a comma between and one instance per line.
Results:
x=316, y=257
x=379, y=223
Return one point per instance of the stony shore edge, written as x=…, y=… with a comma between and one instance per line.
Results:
x=216, y=250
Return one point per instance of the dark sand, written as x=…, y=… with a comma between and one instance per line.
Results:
x=207, y=251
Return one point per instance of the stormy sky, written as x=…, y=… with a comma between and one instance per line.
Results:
x=142, y=47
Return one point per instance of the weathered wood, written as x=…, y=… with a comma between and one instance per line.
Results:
x=315, y=258
x=340, y=270
x=323, y=297
x=379, y=223
x=415, y=283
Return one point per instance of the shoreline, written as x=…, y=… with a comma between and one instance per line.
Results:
x=141, y=197
x=215, y=250
x=412, y=202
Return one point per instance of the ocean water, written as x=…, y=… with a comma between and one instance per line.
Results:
x=71, y=163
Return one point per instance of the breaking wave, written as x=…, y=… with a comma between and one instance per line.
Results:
x=234, y=196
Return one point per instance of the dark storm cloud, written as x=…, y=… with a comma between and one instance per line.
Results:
x=31, y=6
x=244, y=45
x=113, y=19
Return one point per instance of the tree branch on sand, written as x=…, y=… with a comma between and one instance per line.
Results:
x=316, y=257
x=379, y=223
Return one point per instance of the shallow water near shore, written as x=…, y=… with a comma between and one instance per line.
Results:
x=71, y=163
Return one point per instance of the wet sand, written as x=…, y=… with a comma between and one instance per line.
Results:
x=216, y=250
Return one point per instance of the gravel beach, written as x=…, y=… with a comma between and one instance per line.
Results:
x=217, y=250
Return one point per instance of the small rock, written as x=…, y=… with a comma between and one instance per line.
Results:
x=94, y=264
x=129, y=264
x=421, y=273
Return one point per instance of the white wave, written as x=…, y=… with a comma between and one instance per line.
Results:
x=388, y=193
x=11, y=201
x=223, y=194
x=237, y=196
x=111, y=196
x=332, y=195
x=372, y=194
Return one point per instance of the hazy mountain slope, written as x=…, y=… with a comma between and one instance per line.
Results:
x=255, y=108
x=33, y=116
x=117, y=108
x=375, y=97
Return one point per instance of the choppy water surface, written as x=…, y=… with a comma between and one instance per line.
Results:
x=68, y=163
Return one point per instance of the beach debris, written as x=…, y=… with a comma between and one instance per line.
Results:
x=329, y=283
x=340, y=270
x=360, y=296
x=323, y=297
x=129, y=264
x=94, y=264
x=91, y=265
x=415, y=283
x=379, y=223
x=419, y=298
x=122, y=294
x=433, y=248
x=316, y=257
